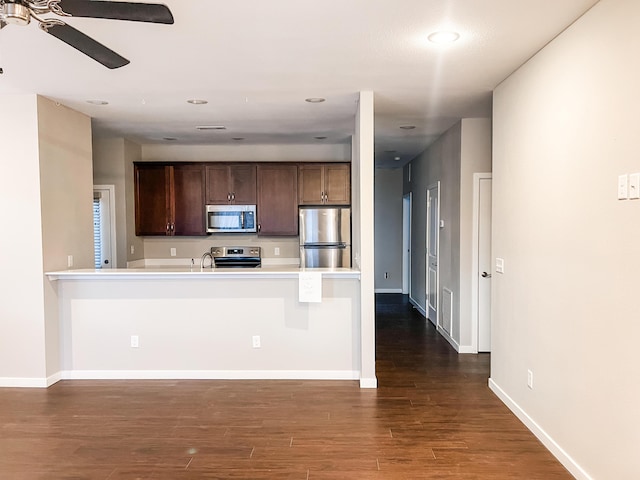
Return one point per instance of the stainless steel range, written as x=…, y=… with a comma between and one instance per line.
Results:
x=236, y=257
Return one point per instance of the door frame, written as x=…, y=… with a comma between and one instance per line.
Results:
x=435, y=320
x=406, y=243
x=111, y=190
x=475, y=258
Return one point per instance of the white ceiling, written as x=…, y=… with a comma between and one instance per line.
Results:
x=255, y=61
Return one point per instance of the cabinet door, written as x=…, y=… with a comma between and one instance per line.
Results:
x=277, y=200
x=217, y=191
x=337, y=184
x=310, y=185
x=243, y=184
x=152, y=199
x=188, y=200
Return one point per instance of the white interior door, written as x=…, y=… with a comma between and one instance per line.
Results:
x=104, y=234
x=406, y=244
x=484, y=266
x=433, y=249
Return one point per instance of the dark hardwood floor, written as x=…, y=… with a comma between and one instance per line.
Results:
x=432, y=417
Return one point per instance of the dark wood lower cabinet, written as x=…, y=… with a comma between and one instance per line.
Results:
x=277, y=199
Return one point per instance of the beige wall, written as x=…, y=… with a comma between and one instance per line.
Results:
x=452, y=160
x=566, y=307
x=66, y=194
x=475, y=157
x=388, y=230
x=46, y=198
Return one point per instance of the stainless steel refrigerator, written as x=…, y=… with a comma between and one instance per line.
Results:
x=325, y=237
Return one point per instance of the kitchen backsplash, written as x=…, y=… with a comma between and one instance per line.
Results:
x=193, y=247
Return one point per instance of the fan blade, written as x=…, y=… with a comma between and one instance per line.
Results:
x=135, y=12
x=87, y=45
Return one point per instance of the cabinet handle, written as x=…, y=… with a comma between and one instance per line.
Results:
x=233, y=195
x=228, y=197
x=259, y=227
x=168, y=228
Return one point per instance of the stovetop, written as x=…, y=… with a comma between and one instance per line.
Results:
x=236, y=257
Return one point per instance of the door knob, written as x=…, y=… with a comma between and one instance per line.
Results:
x=486, y=275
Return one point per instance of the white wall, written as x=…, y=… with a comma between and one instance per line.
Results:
x=362, y=181
x=46, y=198
x=566, y=307
x=247, y=153
x=388, y=230
x=22, y=335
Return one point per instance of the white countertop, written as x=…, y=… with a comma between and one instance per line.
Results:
x=158, y=272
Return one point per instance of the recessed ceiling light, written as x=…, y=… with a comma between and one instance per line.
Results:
x=320, y=138
x=98, y=102
x=169, y=139
x=237, y=138
x=197, y=101
x=315, y=99
x=211, y=127
x=443, y=37
x=407, y=127
x=396, y=158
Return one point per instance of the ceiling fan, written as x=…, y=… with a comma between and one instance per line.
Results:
x=20, y=12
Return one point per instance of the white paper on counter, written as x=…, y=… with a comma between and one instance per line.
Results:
x=310, y=287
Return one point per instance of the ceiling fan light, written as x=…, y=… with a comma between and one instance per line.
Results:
x=15, y=14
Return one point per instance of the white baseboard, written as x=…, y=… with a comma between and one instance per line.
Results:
x=211, y=375
x=418, y=307
x=369, y=382
x=15, y=382
x=466, y=349
x=388, y=290
x=557, y=451
x=55, y=378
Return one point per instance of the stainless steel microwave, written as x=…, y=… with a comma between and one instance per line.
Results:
x=231, y=218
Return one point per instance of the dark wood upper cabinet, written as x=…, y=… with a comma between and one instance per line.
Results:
x=324, y=184
x=277, y=199
x=231, y=184
x=169, y=199
x=188, y=200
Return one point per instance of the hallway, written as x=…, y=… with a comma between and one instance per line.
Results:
x=432, y=417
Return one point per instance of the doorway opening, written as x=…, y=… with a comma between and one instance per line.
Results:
x=406, y=244
x=104, y=226
x=433, y=251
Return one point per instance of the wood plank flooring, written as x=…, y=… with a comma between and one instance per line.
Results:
x=432, y=417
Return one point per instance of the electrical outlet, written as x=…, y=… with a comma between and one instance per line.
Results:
x=276, y=251
x=133, y=249
x=386, y=275
x=530, y=379
x=173, y=252
x=135, y=341
x=69, y=260
x=256, y=341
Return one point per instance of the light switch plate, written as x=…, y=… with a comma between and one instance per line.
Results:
x=623, y=187
x=499, y=265
x=634, y=186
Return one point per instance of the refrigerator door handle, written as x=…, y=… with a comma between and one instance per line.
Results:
x=324, y=245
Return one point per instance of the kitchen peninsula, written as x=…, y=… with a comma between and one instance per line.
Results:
x=195, y=323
